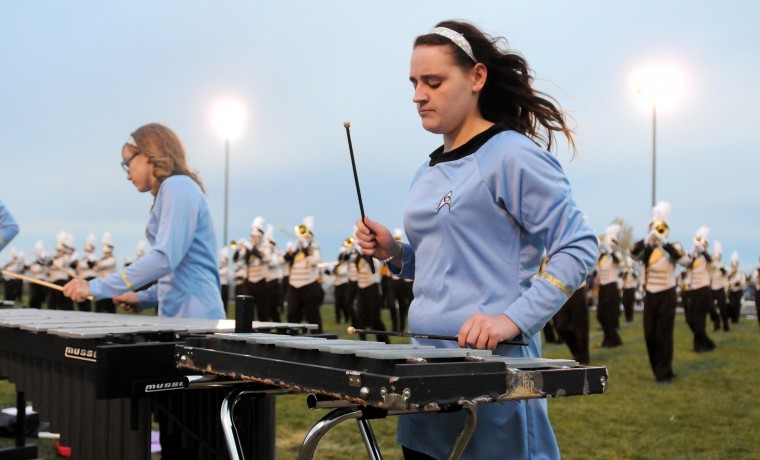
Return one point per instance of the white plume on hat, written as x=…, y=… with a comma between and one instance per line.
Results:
x=258, y=225
x=398, y=234
x=224, y=253
x=90, y=242
x=308, y=222
x=140, y=248
x=703, y=232
x=717, y=249
x=661, y=211
x=269, y=233
x=66, y=239
x=735, y=258
x=106, y=240
x=611, y=233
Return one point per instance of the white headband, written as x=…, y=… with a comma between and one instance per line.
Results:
x=131, y=141
x=457, y=38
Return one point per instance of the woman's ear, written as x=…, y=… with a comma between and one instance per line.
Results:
x=479, y=75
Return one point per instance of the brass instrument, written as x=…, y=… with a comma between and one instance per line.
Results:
x=349, y=242
x=660, y=227
x=301, y=231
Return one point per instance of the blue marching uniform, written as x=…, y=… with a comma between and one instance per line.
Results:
x=478, y=220
x=182, y=257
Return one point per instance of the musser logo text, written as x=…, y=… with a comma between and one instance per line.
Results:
x=84, y=354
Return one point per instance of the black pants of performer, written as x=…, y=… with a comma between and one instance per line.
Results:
x=401, y=295
x=225, y=290
x=608, y=313
x=719, y=300
x=571, y=322
x=273, y=303
x=550, y=332
x=37, y=295
x=629, y=300
x=757, y=303
x=258, y=291
x=105, y=306
x=659, y=322
x=56, y=299
x=410, y=454
x=304, y=302
x=712, y=309
x=367, y=315
x=735, y=305
x=343, y=309
x=13, y=289
x=700, y=300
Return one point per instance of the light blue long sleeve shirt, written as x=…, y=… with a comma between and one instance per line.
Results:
x=478, y=222
x=182, y=257
x=8, y=226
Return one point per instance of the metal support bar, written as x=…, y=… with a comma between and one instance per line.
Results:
x=320, y=429
x=471, y=412
x=370, y=442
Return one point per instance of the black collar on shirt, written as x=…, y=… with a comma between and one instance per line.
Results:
x=468, y=148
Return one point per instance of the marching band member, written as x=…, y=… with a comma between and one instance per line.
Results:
x=240, y=247
x=224, y=276
x=400, y=291
x=608, y=306
x=304, y=291
x=718, y=285
x=630, y=278
x=256, y=257
x=85, y=268
x=368, y=299
x=478, y=217
x=343, y=309
x=8, y=226
x=273, y=275
x=104, y=267
x=13, y=285
x=60, y=271
x=736, y=282
x=38, y=269
x=700, y=299
x=659, y=257
x=180, y=230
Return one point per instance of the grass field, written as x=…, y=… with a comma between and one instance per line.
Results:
x=708, y=412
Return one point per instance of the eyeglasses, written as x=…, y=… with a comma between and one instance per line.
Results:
x=125, y=163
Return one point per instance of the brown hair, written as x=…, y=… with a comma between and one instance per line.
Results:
x=508, y=96
x=164, y=152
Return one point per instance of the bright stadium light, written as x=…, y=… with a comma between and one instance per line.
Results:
x=657, y=86
x=227, y=117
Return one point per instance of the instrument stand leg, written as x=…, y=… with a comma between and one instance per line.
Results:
x=22, y=450
x=263, y=441
x=370, y=442
x=320, y=429
x=471, y=411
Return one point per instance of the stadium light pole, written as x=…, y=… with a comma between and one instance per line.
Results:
x=227, y=117
x=657, y=86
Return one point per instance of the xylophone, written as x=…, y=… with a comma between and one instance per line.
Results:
x=98, y=378
x=362, y=380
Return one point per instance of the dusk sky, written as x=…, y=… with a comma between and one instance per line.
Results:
x=79, y=76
